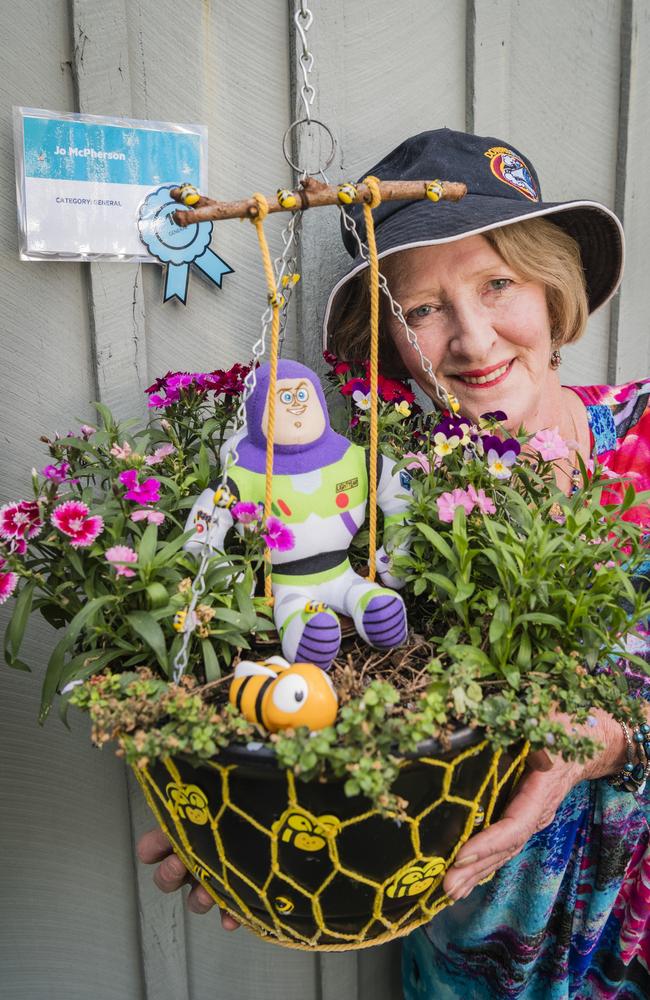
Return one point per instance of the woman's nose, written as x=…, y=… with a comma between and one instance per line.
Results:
x=472, y=334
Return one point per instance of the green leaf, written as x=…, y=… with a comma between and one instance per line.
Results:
x=75, y=561
x=171, y=548
x=85, y=617
x=464, y=590
x=524, y=653
x=210, y=661
x=53, y=674
x=443, y=582
x=17, y=624
x=147, y=546
x=438, y=542
x=539, y=618
x=203, y=467
x=87, y=664
x=148, y=629
x=511, y=674
x=500, y=621
x=106, y=415
x=157, y=595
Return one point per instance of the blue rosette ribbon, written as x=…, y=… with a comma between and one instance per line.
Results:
x=178, y=247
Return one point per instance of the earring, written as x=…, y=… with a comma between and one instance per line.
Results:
x=556, y=360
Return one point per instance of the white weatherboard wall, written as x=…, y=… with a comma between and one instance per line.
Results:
x=569, y=84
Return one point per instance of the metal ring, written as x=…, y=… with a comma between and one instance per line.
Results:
x=307, y=121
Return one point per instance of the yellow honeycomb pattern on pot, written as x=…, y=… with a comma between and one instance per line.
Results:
x=290, y=878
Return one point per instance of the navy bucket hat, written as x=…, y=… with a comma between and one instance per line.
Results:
x=502, y=188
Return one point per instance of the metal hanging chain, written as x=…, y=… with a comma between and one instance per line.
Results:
x=444, y=398
x=302, y=19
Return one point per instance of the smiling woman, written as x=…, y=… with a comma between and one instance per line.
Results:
x=489, y=290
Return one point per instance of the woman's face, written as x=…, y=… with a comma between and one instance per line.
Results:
x=484, y=328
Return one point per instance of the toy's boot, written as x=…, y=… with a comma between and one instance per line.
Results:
x=381, y=618
x=310, y=631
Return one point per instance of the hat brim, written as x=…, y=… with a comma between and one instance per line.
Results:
x=595, y=228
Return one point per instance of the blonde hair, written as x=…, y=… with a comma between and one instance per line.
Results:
x=536, y=249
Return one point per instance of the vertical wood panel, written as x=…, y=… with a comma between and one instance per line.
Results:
x=630, y=333
x=115, y=298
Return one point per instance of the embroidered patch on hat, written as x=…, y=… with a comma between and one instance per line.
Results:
x=512, y=170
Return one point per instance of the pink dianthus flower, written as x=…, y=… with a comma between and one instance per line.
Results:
x=73, y=519
x=143, y=493
x=278, y=536
x=8, y=582
x=150, y=516
x=481, y=500
x=549, y=444
x=160, y=454
x=448, y=502
x=20, y=520
x=120, y=554
x=247, y=512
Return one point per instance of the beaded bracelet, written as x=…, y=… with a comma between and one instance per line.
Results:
x=633, y=776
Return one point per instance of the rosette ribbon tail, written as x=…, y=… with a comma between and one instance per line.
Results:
x=176, y=282
x=212, y=266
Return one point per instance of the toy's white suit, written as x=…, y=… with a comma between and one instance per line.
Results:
x=320, y=491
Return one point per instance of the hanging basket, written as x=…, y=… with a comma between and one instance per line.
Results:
x=304, y=865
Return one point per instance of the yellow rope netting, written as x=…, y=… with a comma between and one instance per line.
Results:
x=275, y=303
x=373, y=262
x=278, y=883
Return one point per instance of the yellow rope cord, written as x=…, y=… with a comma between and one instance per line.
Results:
x=274, y=301
x=195, y=808
x=373, y=260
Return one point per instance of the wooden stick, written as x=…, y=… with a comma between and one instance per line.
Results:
x=312, y=194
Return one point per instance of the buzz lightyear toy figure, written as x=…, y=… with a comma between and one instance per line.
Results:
x=320, y=491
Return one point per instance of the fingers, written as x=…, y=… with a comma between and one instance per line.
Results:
x=153, y=846
x=531, y=808
x=228, y=923
x=171, y=874
x=199, y=899
x=459, y=883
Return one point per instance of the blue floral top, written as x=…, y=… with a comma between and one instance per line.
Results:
x=569, y=917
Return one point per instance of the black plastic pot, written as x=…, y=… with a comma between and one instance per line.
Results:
x=302, y=864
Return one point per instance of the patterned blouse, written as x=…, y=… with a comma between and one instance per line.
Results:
x=569, y=917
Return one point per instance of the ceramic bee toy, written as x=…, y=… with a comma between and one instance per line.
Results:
x=320, y=492
x=279, y=695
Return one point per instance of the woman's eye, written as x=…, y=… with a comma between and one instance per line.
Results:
x=500, y=284
x=421, y=312
x=302, y=395
x=286, y=397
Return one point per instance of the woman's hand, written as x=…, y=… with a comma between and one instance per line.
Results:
x=154, y=848
x=546, y=782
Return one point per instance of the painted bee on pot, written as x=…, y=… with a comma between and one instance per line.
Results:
x=416, y=878
x=279, y=695
x=188, y=194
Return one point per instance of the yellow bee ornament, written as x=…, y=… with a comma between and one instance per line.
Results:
x=347, y=193
x=287, y=199
x=188, y=194
x=279, y=695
